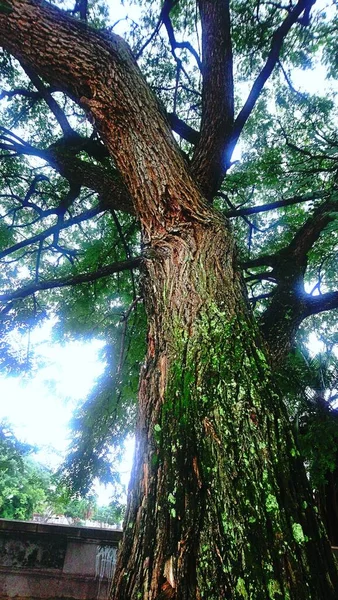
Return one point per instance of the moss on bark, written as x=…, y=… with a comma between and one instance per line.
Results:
x=220, y=505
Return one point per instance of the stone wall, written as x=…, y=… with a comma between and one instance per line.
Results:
x=55, y=562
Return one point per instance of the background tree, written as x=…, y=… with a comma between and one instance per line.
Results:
x=23, y=483
x=311, y=393
x=219, y=504
x=27, y=487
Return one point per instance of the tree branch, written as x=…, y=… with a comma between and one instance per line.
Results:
x=54, y=229
x=302, y=6
x=255, y=299
x=22, y=92
x=110, y=100
x=107, y=184
x=217, y=95
x=317, y=304
x=266, y=260
x=251, y=210
x=29, y=290
x=309, y=233
x=296, y=252
x=260, y=277
x=290, y=304
x=182, y=129
x=61, y=156
x=58, y=113
x=165, y=16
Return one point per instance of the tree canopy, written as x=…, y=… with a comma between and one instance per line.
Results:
x=70, y=240
x=107, y=218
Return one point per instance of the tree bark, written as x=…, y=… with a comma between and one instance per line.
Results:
x=219, y=505
x=327, y=500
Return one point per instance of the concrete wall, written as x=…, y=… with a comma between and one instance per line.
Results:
x=54, y=562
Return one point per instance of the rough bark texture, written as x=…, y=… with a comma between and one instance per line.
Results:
x=219, y=505
x=327, y=500
x=210, y=160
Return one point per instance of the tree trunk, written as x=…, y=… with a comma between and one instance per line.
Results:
x=219, y=503
x=327, y=500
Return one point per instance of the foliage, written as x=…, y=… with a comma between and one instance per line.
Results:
x=310, y=387
x=27, y=487
x=23, y=483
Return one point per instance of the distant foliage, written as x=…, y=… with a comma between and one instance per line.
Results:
x=23, y=483
x=27, y=487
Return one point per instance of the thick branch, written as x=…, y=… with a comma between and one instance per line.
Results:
x=107, y=184
x=182, y=129
x=107, y=83
x=106, y=271
x=217, y=95
x=309, y=233
x=267, y=260
x=317, y=304
x=290, y=304
x=295, y=254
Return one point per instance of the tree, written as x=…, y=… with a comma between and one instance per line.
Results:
x=27, y=487
x=313, y=400
x=23, y=483
x=220, y=505
x=112, y=514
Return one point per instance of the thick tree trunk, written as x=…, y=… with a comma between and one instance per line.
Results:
x=327, y=500
x=219, y=503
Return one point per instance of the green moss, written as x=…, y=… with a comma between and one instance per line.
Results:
x=298, y=534
x=216, y=432
x=275, y=592
x=157, y=433
x=271, y=503
x=241, y=589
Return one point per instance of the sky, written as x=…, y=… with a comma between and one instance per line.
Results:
x=39, y=406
